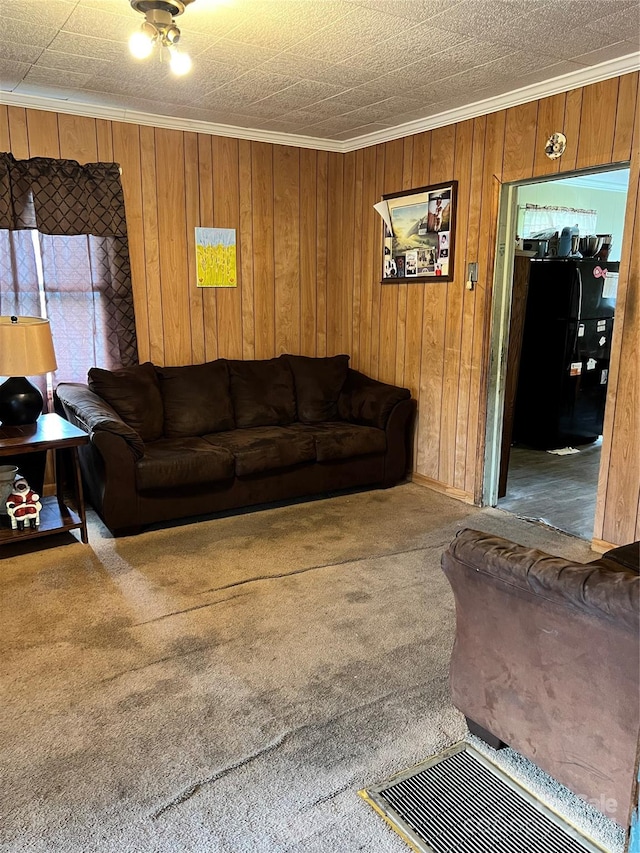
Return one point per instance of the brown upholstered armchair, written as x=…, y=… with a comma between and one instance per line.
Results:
x=546, y=660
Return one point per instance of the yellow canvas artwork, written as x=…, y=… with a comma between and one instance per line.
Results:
x=216, y=257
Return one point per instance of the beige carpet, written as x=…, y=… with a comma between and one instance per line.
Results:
x=229, y=685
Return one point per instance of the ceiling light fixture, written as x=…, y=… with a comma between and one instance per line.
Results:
x=159, y=29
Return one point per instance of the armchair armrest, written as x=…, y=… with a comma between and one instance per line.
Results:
x=368, y=402
x=89, y=411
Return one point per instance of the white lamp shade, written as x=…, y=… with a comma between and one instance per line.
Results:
x=26, y=347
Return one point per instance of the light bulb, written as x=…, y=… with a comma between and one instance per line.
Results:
x=180, y=63
x=140, y=45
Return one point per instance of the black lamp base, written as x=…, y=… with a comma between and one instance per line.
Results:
x=20, y=402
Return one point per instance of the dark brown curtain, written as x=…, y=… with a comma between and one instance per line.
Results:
x=80, y=255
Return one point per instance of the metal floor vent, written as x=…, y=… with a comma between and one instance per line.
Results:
x=459, y=802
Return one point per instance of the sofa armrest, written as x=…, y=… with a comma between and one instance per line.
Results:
x=368, y=402
x=598, y=588
x=86, y=409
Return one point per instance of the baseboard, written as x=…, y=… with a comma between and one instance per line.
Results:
x=437, y=486
x=600, y=546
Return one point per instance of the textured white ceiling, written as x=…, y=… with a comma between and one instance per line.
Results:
x=330, y=69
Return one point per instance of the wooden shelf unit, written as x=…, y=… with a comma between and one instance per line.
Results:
x=51, y=432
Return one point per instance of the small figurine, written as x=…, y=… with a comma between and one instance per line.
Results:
x=23, y=505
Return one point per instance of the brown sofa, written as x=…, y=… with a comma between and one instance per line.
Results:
x=171, y=442
x=546, y=660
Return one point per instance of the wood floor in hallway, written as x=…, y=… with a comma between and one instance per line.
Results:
x=559, y=490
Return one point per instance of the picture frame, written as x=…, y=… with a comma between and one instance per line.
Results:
x=418, y=242
x=216, y=264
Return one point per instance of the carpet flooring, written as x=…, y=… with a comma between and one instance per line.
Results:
x=228, y=685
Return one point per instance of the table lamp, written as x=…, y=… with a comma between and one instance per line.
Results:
x=26, y=349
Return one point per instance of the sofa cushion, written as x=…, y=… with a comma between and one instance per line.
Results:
x=135, y=395
x=196, y=399
x=339, y=440
x=178, y=462
x=258, y=449
x=318, y=383
x=262, y=392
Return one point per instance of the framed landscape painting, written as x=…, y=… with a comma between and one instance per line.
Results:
x=419, y=234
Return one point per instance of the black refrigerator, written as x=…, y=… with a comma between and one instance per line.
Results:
x=566, y=346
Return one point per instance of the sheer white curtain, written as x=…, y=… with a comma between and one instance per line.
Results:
x=534, y=219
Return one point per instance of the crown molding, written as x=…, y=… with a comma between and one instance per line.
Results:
x=546, y=88
x=63, y=105
x=573, y=80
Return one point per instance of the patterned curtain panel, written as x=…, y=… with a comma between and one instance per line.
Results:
x=76, y=272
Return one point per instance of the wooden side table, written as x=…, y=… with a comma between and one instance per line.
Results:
x=51, y=432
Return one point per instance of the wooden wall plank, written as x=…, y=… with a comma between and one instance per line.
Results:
x=286, y=221
x=519, y=142
x=5, y=144
x=42, y=131
x=358, y=228
x=420, y=176
x=626, y=117
x=151, y=244
x=18, y=134
x=170, y=193
x=335, y=269
x=192, y=221
x=572, y=127
x=105, y=140
x=393, y=181
x=469, y=302
x=126, y=144
x=551, y=112
x=455, y=291
x=78, y=139
x=170, y=189
x=348, y=226
x=308, y=251
x=227, y=215
x=371, y=264
x=209, y=302
x=374, y=366
x=322, y=178
x=245, y=248
x=263, y=256
x=434, y=327
x=597, y=123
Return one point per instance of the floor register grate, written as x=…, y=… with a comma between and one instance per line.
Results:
x=459, y=802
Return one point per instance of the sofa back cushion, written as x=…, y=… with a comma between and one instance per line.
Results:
x=318, y=383
x=196, y=399
x=135, y=395
x=262, y=392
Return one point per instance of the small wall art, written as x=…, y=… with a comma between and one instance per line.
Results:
x=418, y=234
x=216, y=257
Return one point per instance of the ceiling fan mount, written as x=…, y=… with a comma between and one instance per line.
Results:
x=171, y=7
x=159, y=29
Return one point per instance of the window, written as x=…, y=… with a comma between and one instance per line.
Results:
x=64, y=256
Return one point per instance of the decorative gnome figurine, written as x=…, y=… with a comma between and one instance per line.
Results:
x=23, y=505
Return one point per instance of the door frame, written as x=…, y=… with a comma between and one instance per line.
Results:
x=501, y=318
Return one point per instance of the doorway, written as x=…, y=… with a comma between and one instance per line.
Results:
x=553, y=316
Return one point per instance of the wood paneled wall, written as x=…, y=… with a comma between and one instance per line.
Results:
x=310, y=253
